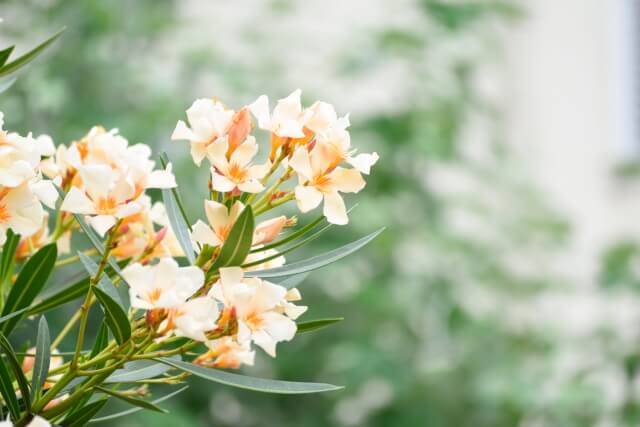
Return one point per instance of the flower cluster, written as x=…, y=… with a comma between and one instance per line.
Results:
x=194, y=288
x=22, y=188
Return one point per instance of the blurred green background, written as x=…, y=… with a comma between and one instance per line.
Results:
x=432, y=335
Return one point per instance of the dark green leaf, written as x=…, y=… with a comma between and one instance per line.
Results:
x=102, y=339
x=27, y=57
x=250, y=383
x=315, y=262
x=4, y=55
x=43, y=357
x=29, y=283
x=177, y=217
x=17, y=370
x=238, y=243
x=65, y=295
x=134, y=410
x=132, y=400
x=115, y=316
x=313, y=325
x=7, y=258
x=84, y=415
x=7, y=391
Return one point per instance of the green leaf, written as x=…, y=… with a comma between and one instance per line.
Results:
x=65, y=295
x=177, y=216
x=43, y=357
x=315, y=262
x=132, y=400
x=238, y=243
x=250, y=383
x=17, y=370
x=314, y=325
x=30, y=281
x=4, y=55
x=28, y=57
x=115, y=316
x=134, y=410
x=84, y=415
x=138, y=370
x=101, y=342
x=7, y=391
x=7, y=259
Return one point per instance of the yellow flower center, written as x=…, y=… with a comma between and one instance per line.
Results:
x=237, y=173
x=322, y=183
x=106, y=205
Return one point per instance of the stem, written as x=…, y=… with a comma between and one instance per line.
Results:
x=271, y=205
x=84, y=316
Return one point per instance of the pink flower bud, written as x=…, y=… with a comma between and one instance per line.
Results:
x=268, y=230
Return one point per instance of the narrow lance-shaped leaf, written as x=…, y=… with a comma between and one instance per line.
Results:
x=315, y=262
x=237, y=245
x=7, y=391
x=101, y=342
x=17, y=370
x=115, y=316
x=4, y=55
x=293, y=281
x=83, y=415
x=134, y=410
x=177, y=217
x=28, y=57
x=6, y=82
x=43, y=357
x=30, y=281
x=314, y=325
x=138, y=370
x=250, y=383
x=131, y=400
x=8, y=255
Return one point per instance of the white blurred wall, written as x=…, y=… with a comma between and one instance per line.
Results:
x=570, y=114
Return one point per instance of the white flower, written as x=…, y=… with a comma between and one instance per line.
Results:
x=220, y=221
x=287, y=119
x=335, y=146
x=227, y=353
x=209, y=121
x=106, y=197
x=277, y=261
x=318, y=182
x=193, y=319
x=20, y=210
x=236, y=172
x=19, y=159
x=164, y=285
x=37, y=421
x=256, y=303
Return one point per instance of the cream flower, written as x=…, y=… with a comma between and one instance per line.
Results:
x=278, y=261
x=19, y=159
x=236, y=173
x=20, y=210
x=318, y=181
x=107, y=196
x=226, y=353
x=164, y=285
x=335, y=146
x=255, y=302
x=209, y=120
x=193, y=319
x=268, y=230
x=287, y=119
x=220, y=221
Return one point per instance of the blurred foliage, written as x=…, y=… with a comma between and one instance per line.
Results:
x=436, y=331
